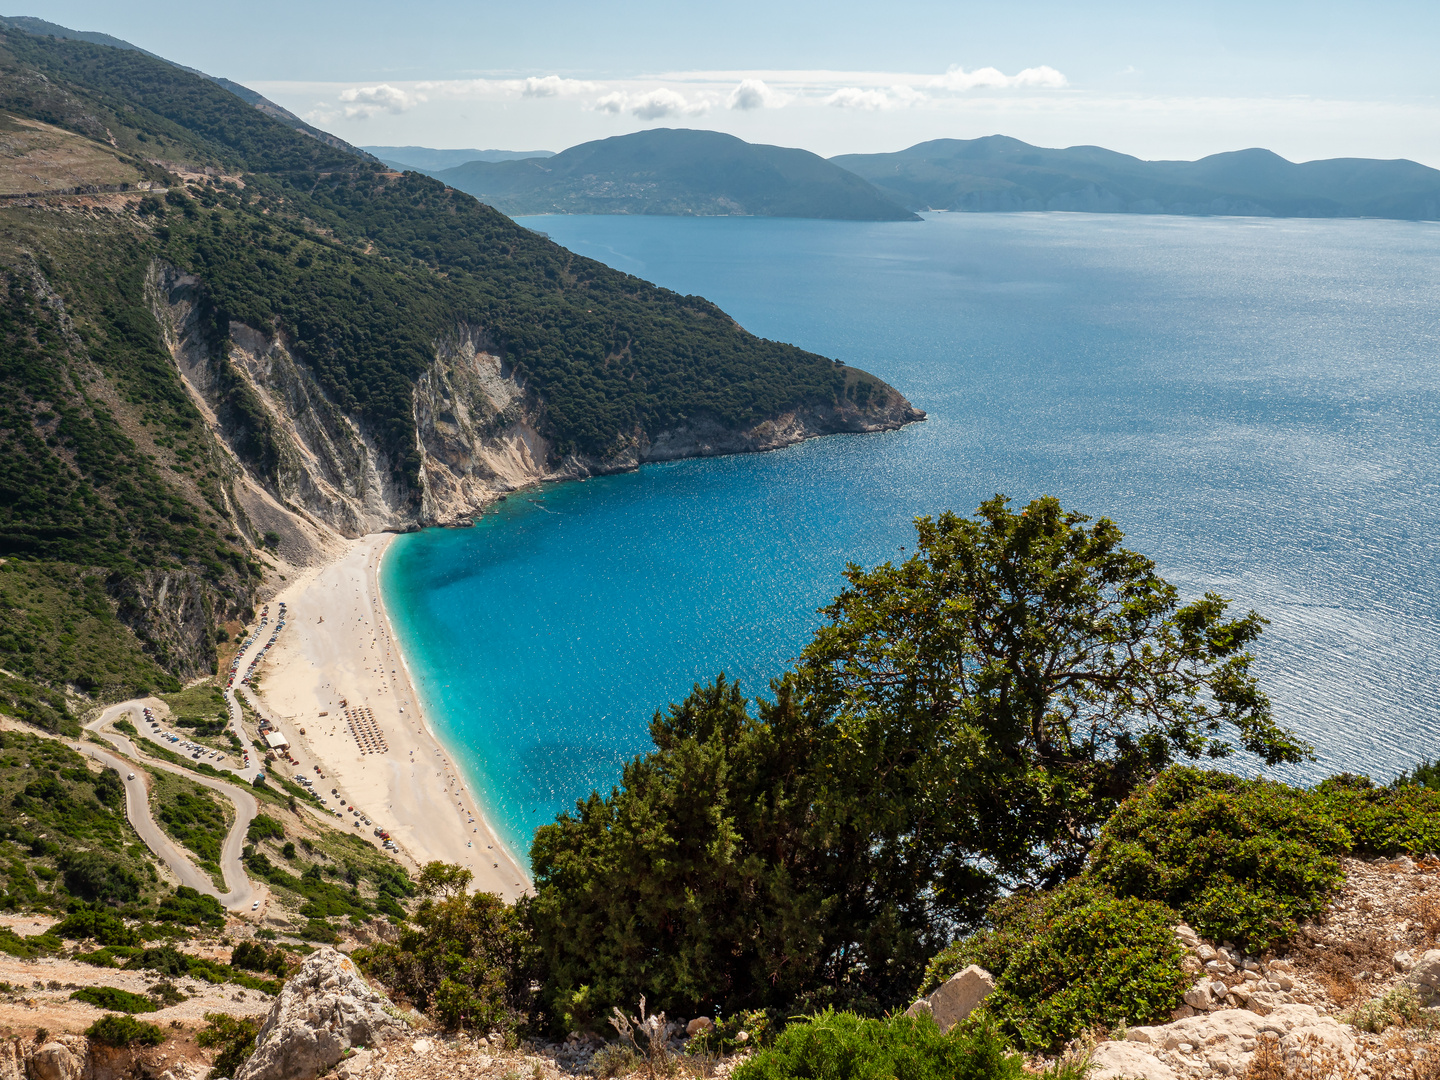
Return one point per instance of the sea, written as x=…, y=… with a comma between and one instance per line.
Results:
x=1255, y=402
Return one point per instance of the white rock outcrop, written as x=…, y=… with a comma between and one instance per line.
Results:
x=957, y=998
x=1223, y=1041
x=324, y=1010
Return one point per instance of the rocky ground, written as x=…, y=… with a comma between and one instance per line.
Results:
x=1353, y=998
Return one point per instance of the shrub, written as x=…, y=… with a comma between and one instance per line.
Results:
x=1242, y=860
x=109, y=997
x=235, y=1036
x=470, y=961
x=264, y=827
x=105, y=927
x=1398, y=1007
x=844, y=1046
x=1403, y=819
x=115, y=1029
x=95, y=878
x=191, y=908
x=1073, y=959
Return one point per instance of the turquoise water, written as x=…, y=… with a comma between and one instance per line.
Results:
x=1255, y=402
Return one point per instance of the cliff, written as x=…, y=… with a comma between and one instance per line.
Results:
x=478, y=429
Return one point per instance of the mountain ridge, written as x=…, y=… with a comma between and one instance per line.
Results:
x=675, y=171
x=999, y=173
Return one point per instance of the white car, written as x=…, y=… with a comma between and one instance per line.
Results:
x=255, y=905
x=130, y=777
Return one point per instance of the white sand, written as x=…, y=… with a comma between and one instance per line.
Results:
x=337, y=645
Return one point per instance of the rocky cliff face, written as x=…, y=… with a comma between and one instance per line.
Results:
x=305, y=469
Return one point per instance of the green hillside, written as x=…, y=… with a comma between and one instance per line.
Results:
x=111, y=473
x=676, y=171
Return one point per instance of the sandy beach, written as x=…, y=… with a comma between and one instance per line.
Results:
x=336, y=674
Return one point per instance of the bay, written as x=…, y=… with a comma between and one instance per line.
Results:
x=1253, y=401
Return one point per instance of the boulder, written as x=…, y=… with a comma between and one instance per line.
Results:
x=1115, y=1060
x=324, y=1009
x=957, y=998
x=1424, y=975
x=698, y=1025
x=55, y=1061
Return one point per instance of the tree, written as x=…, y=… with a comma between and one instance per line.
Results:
x=998, y=693
x=960, y=727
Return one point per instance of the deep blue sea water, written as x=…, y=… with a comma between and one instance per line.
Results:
x=1256, y=402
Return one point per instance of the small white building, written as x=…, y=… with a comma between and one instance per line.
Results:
x=275, y=741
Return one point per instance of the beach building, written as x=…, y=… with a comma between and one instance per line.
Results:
x=275, y=741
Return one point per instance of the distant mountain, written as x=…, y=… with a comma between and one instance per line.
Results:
x=999, y=173
x=675, y=171
x=426, y=160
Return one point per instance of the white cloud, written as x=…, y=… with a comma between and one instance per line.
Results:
x=855, y=97
x=361, y=102
x=654, y=105
x=989, y=78
x=753, y=94
x=553, y=86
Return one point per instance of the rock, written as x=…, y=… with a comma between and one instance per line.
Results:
x=356, y=1065
x=1205, y=953
x=1198, y=996
x=421, y=1046
x=1226, y=1038
x=696, y=1026
x=1281, y=965
x=1424, y=976
x=1404, y=961
x=1114, y=1060
x=955, y=1000
x=920, y=1008
x=1140, y=1034
x=1182, y=1012
x=55, y=1061
x=323, y=1010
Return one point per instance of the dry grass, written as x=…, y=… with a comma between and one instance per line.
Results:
x=1427, y=910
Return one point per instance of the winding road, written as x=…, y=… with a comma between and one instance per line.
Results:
x=243, y=892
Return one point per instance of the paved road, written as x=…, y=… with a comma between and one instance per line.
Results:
x=243, y=891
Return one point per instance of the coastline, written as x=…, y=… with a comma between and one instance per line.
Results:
x=340, y=646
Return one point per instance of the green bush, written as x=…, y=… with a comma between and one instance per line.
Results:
x=1241, y=860
x=264, y=827
x=1402, y=819
x=109, y=997
x=190, y=907
x=105, y=927
x=235, y=1036
x=1073, y=959
x=115, y=1029
x=844, y=1046
x=470, y=963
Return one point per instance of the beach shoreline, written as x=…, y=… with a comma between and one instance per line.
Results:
x=338, y=685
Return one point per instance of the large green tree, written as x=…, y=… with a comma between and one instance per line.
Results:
x=962, y=724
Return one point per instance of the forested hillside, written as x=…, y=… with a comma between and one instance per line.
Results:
x=129, y=480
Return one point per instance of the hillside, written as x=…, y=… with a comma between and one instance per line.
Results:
x=229, y=344
x=999, y=173
x=429, y=161
x=675, y=171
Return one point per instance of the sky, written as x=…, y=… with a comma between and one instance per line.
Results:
x=1158, y=80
